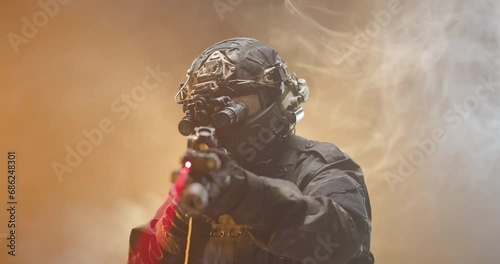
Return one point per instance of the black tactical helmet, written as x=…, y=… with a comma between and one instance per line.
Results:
x=241, y=87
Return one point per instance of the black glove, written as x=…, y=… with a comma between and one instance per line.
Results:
x=172, y=232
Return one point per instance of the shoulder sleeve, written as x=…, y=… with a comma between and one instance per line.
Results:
x=143, y=246
x=322, y=217
x=147, y=242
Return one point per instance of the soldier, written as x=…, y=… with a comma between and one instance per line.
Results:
x=276, y=197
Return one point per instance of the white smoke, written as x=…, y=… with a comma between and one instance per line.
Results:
x=377, y=97
x=390, y=96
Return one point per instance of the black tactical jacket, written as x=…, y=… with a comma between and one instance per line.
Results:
x=310, y=205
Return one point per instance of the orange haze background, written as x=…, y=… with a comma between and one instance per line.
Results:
x=380, y=97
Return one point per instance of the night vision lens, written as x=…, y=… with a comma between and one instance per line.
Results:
x=230, y=115
x=186, y=126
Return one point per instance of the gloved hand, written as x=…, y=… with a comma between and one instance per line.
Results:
x=172, y=230
x=224, y=186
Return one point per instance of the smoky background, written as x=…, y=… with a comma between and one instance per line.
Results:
x=380, y=98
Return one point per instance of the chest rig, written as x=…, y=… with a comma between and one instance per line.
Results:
x=220, y=241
